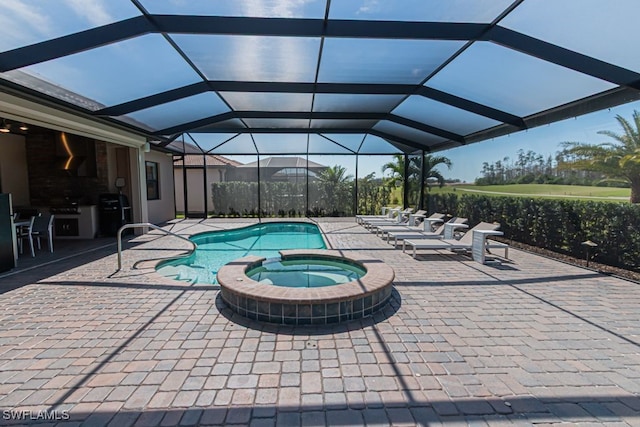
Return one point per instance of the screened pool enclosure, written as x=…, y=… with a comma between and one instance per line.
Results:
x=272, y=95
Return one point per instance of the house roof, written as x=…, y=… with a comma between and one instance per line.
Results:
x=212, y=160
x=284, y=162
x=323, y=77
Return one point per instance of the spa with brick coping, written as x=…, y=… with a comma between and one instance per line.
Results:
x=306, y=306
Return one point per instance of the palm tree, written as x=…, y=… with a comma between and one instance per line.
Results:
x=397, y=171
x=431, y=162
x=334, y=175
x=620, y=159
x=337, y=191
x=430, y=171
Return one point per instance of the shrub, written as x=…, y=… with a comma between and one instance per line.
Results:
x=557, y=225
x=290, y=198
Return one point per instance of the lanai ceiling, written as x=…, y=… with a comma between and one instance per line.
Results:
x=322, y=76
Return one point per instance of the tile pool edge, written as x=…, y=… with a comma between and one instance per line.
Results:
x=330, y=304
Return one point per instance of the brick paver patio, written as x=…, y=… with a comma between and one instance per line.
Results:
x=531, y=341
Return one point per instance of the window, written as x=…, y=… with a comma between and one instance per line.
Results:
x=153, y=188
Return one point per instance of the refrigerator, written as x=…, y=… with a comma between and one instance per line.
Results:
x=7, y=234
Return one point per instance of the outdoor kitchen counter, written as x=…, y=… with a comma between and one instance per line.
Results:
x=82, y=224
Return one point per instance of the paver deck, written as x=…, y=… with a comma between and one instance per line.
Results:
x=530, y=341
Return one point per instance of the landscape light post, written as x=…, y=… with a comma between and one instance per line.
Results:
x=588, y=244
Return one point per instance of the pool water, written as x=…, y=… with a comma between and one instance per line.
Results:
x=217, y=248
x=306, y=273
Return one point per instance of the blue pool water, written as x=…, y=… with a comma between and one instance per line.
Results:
x=306, y=273
x=218, y=248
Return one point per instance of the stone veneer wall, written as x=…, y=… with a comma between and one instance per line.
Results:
x=49, y=185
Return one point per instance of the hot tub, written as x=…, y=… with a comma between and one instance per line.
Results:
x=312, y=289
x=306, y=271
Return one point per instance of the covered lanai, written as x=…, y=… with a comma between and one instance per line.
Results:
x=304, y=78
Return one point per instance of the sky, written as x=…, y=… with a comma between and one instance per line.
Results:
x=545, y=140
x=467, y=160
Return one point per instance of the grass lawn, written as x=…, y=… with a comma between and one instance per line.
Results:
x=544, y=190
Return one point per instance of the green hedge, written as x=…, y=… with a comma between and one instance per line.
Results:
x=288, y=199
x=285, y=199
x=557, y=225
x=235, y=198
x=372, y=196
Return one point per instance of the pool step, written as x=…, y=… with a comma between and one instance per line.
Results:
x=180, y=273
x=183, y=278
x=191, y=274
x=190, y=280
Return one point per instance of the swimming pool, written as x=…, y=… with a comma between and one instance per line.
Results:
x=217, y=248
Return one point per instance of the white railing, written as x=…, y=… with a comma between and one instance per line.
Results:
x=155, y=227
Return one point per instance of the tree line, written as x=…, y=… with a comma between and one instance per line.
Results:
x=530, y=167
x=613, y=163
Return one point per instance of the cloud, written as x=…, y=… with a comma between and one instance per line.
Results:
x=180, y=3
x=22, y=24
x=91, y=10
x=368, y=6
x=290, y=8
x=26, y=22
x=26, y=13
x=273, y=58
x=274, y=8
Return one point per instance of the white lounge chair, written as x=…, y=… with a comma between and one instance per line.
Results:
x=426, y=226
x=387, y=212
x=474, y=240
x=411, y=221
x=391, y=214
x=445, y=231
x=416, y=218
x=401, y=218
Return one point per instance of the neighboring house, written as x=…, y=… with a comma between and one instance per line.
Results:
x=160, y=186
x=194, y=168
x=283, y=169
